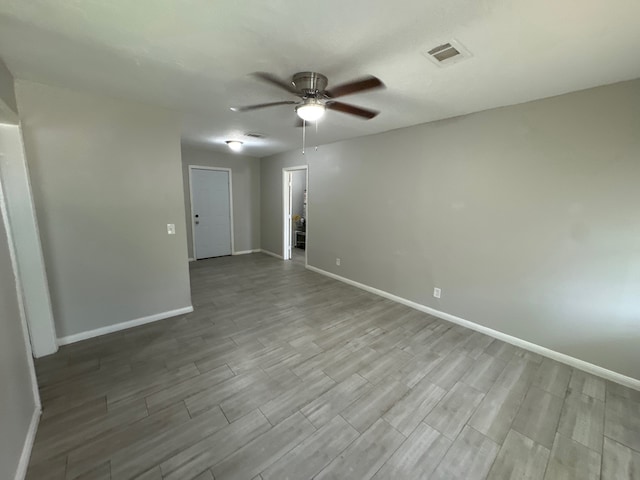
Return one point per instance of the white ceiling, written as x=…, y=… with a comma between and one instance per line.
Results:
x=195, y=56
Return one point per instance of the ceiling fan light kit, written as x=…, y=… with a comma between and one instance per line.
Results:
x=311, y=111
x=315, y=98
x=235, y=145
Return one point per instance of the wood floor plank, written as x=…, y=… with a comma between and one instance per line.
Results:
x=179, y=391
x=496, y=412
x=297, y=397
x=101, y=472
x=331, y=403
x=587, y=384
x=77, y=434
x=470, y=457
x=264, y=450
x=211, y=450
x=538, y=416
x=449, y=370
x=314, y=453
x=570, y=460
x=378, y=369
x=418, y=456
x=411, y=409
x=484, y=372
x=366, y=410
x=553, y=377
x=91, y=453
x=622, y=422
x=619, y=462
x=364, y=457
x=150, y=451
x=582, y=419
x=521, y=458
x=454, y=410
x=53, y=469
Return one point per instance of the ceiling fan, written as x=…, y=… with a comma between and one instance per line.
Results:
x=315, y=98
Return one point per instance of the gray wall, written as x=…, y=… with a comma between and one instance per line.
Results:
x=245, y=174
x=525, y=216
x=8, y=107
x=17, y=401
x=106, y=178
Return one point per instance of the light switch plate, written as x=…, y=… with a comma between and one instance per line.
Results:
x=171, y=228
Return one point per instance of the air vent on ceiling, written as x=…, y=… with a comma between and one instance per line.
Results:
x=254, y=135
x=447, y=53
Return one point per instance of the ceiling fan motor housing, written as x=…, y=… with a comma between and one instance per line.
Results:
x=309, y=82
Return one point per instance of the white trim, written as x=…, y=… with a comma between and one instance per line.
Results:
x=262, y=250
x=545, y=352
x=30, y=261
x=286, y=226
x=77, y=337
x=245, y=252
x=287, y=193
x=23, y=464
x=193, y=233
x=25, y=456
x=4, y=216
x=191, y=259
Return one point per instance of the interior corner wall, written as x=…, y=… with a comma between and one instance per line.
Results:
x=245, y=173
x=106, y=179
x=525, y=216
x=8, y=106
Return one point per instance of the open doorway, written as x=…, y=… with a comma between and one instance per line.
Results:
x=295, y=228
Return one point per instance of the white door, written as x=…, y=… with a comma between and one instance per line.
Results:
x=211, y=212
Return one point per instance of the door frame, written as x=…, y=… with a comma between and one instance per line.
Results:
x=193, y=233
x=286, y=213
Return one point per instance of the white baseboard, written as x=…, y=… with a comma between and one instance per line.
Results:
x=272, y=254
x=23, y=464
x=518, y=342
x=191, y=259
x=245, y=252
x=123, y=326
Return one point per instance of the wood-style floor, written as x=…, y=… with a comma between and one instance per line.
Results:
x=281, y=373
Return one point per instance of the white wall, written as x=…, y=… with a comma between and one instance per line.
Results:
x=106, y=177
x=245, y=173
x=19, y=404
x=525, y=216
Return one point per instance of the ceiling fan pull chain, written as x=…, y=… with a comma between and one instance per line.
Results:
x=317, y=135
x=304, y=131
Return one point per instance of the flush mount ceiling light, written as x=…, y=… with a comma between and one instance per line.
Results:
x=310, y=111
x=234, y=145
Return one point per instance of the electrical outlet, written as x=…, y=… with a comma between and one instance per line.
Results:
x=437, y=292
x=337, y=261
x=171, y=228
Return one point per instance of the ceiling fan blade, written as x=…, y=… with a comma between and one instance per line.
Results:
x=351, y=109
x=273, y=80
x=366, y=83
x=248, y=108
